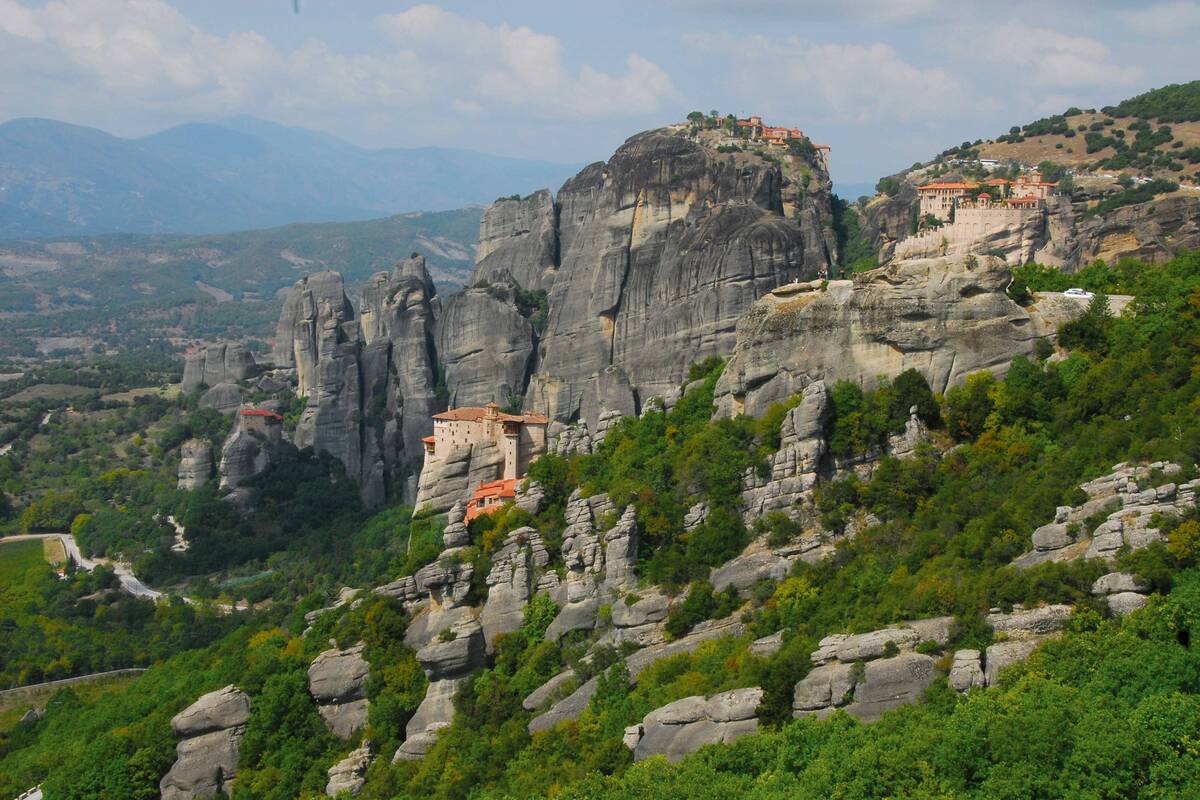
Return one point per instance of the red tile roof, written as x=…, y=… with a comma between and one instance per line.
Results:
x=262, y=412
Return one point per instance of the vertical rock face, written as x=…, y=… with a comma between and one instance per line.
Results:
x=195, y=463
x=315, y=303
x=518, y=240
x=221, y=363
x=485, y=347
x=661, y=249
x=247, y=450
x=369, y=381
x=207, y=755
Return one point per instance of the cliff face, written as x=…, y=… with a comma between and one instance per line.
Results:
x=518, y=239
x=485, y=347
x=662, y=248
x=945, y=317
x=369, y=381
x=1152, y=231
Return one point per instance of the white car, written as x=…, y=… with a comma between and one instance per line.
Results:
x=1077, y=292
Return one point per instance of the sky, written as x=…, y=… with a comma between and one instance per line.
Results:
x=884, y=83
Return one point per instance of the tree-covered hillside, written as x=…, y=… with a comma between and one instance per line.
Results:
x=1109, y=710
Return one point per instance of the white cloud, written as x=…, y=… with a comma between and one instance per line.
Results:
x=520, y=67
x=1046, y=56
x=16, y=20
x=856, y=83
x=147, y=54
x=867, y=10
x=1166, y=20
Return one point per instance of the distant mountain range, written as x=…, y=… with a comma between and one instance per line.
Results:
x=58, y=179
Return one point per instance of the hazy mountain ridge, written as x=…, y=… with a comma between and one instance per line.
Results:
x=59, y=179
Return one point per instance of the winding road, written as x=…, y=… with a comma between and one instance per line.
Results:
x=129, y=582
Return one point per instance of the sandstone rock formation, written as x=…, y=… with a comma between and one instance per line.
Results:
x=349, y=774
x=224, y=397
x=219, y=363
x=195, y=463
x=337, y=680
x=1023, y=630
x=797, y=463
x=369, y=382
x=485, y=347
x=1123, y=592
x=661, y=249
x=945, y=317
x=510, y=582
x=1132, y=506
x=206, y=757
x=248, y=450
x=683, y=727
x=518, y=240
x=447, y=661
x=856, y=673
x=1153, y=231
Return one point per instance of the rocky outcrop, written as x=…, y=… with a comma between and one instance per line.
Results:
x=518, y=241
x=598, y=562
x=796, y=465
x=447, y=661
x=1020, y=633
x=681, y=728
x=247, y=451
x=206, y=757
x=219, y=363
x=1132, y=504
x=1122, y=591
x=867, y=674
x=1153, y=231
x=316, y=302
x=945, y=317
x=485, y=347
x=337, y=680
x=661, y=249
x=573, y=704
x=511, y=582
x=195, y=463
x=224, y=397
x=349, y=774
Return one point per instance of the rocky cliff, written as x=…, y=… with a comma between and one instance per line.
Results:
x=661, y=249
x=945, y=317
x=518, y=240
x=216, y=364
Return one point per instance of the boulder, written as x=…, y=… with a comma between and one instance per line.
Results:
x=890, y=683
x=683, y=727
x=1003, y=654
x=206, y=758
x=224, y=397
x=337, y=679
x=455, y=655
x=225, y=708
x=548, y=690
x=966, y=672
x=435, y=712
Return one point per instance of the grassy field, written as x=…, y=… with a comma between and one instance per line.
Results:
x=49, y=391
x=53, y=551
x=169, y=392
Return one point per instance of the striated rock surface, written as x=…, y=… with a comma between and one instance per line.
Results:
x=219, y=363
x=485, y=347
x=683, y=727
x=510, y=582
x=206, y=757
x=518, y=240
x=195, y=463
x=945, y=317
x=661, y=249
x=337, y=680
x=796, y=465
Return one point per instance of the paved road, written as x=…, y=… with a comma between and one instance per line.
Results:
x=129, y=582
